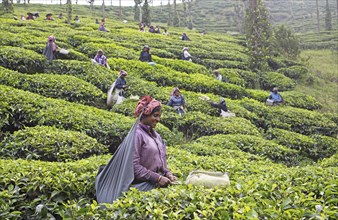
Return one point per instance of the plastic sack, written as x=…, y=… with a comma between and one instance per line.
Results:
x=269, y=102
x=227, y=114
x=207, y=179
x=113, y=96
x=117, y=176
x=64, y=51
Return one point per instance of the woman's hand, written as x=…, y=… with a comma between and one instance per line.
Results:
x=163, y=181
x=171, y=177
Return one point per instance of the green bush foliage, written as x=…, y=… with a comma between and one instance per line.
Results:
x=297, y=120
x=315, y=146
x=50, y=144
x=20, y=108
x=268, y=80
x=262, y=185
x=182, y=65
x=254, y=145
x=291, y=98
x=55, y=86
x=294, y=72
x=324, y=146
x=28, y=61
x=330, y=162
x=300, y=100
x=26, y=184
x=166, y=77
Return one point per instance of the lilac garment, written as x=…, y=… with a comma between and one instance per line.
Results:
x=149, y=156
x=102, y=60
x=102, y=28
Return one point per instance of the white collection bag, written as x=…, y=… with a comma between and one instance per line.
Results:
x=207, y=179
x=227, y=114
x=269, y=102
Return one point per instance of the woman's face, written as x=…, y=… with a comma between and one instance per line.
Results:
x=177, y=93
x=152, y=119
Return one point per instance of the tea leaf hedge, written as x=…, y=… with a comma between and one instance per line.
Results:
x=56, y=131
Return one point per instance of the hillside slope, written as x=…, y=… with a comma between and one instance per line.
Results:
x=220, y=15
x=56, y=131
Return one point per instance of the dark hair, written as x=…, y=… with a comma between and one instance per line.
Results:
x=157, y=109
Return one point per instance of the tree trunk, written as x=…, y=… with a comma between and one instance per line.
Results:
x=120, y=13
x=103, y=9
x=318, y=27
x=69, y=11
x=337, y=10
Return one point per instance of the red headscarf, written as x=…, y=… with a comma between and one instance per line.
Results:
x=146, y=105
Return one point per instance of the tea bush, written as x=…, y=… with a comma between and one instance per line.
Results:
x=297, y=120
x=50, y=144
x=55, y=86
x=22, y=60
x=166, y=77
x=315, y=146
x=254, y=145
x=268, y=80
x=291, y=98
x=22, y=108
x=330, y=162
x=294, y=72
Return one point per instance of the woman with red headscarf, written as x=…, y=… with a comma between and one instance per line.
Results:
x=50, y=49
x=150, y=163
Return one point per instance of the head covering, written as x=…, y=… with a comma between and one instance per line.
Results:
x=146, y=105
x=51, y=38
x=146, y=46
x=275, y=89
x=185, y=48
x=100, y=50
x=123, y=73
x=174, y=90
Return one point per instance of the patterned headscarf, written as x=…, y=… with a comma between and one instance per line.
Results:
x=174, y=90
x=51, y=38
x=123, y=73
x=146, y=105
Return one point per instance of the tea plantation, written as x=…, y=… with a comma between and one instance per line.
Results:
x=56, y=130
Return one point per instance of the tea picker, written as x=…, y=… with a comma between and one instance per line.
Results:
x=116, y=92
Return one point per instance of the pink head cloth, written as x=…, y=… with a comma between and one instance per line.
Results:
x=51, y=38
x=146, y=105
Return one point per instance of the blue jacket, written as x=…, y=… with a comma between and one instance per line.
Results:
x=276, y=97
x=176, y=101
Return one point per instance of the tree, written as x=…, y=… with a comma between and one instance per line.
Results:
x=239, y=11
x=328, y=18
x=176, y=19
x=69, y=11
x=146, y=13
x=190, y=22
x=258, y=34
x=170, y=19
x=103, y=9
x=91, y=2
x=137, y=10
x=7, y=6
x=120, y=7
x=285, y=43
x=318, y=24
